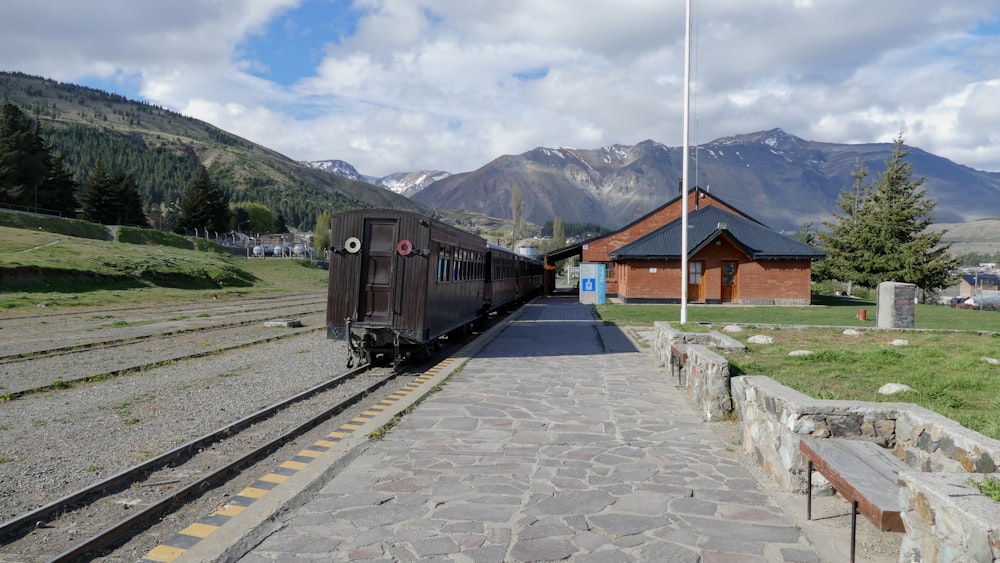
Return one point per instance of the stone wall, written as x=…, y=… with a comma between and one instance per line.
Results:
x=703, y=373
x=945, y=518
x=772, y=418
x=945, y=522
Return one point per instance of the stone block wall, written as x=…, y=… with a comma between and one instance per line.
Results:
x=944, y=522
x=946, y=519
x=703, y=373
x=773, y=417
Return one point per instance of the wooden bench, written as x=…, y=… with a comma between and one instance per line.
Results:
x=864, y=473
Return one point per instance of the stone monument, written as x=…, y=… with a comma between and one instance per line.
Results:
x=896, y=305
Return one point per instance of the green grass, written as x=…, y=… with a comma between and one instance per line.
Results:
x=57, y=225
x=988, y=486
x=826, y=311
x=54, y=268
x=135, y=235
x=946, y=369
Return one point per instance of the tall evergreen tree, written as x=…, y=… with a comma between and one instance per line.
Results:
x=203, y=205
x=24, y=158
x=881, y=234
x=841, y=241
x=280, y=224
x=58, y=190
x=99, y=198
x=129, y=204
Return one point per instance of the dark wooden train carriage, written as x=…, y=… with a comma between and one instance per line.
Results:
x=511, y=278
x=400, y=279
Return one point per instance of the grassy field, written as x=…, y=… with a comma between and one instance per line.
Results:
x=53, y=269
x=826, y=311
x=945, y=364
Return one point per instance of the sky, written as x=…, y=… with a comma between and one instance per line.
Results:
x=406, y=85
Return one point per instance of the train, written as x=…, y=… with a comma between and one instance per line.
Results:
x=400, y=281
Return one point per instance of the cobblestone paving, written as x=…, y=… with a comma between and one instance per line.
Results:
x=558, y=441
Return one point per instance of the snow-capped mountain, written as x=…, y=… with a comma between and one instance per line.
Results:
x=341, y=168
x=403, y=183
x=775, y=177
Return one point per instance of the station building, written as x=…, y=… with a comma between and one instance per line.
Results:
x=732, y=258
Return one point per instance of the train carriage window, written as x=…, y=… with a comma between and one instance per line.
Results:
x=441, y=266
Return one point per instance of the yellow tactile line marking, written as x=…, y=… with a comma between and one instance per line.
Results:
x=176, y=546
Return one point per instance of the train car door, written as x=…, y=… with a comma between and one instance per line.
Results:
x=729, y=280
x=377, y=285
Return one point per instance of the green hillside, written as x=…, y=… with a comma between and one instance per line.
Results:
x=162, y=149
x=52, y=262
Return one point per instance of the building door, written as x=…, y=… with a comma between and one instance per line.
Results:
x=729, y=281
x=379, y=247
x=696, y=277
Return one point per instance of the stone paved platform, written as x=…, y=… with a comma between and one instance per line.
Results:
x=559, y=440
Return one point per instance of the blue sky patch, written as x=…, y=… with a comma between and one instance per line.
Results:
x=294, y=42
x=532, y=74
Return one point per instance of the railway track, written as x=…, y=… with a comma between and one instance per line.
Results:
x=26, y=367
x=96, y=470
x=54, y=333
x=94, y=520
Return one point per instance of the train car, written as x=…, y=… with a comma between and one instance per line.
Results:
x=532, y=273
x=511, y=279
x=400, y=280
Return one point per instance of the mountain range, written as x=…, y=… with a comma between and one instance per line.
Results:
x=778, y=178
x=782, y=180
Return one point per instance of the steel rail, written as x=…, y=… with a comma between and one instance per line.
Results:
x=21, y=525
x=112, y=343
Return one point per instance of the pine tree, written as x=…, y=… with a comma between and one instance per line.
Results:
x=129, y=205
x=203, y=205
x=280, y=226
x=881, y=234
x=58, y=191
x=24, y=158
x=99, y=198
x=841, y=242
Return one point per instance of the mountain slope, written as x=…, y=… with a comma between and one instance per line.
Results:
x=775, y=177
x=161, y=147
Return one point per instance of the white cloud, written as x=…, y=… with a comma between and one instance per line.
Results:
x=451, y=85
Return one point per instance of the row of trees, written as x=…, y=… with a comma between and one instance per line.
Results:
x=33, y=178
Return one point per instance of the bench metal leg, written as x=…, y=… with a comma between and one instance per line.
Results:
x=809, y=492
x=854, y=526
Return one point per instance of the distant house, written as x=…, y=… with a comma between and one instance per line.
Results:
x=732, y=258
x=974, y=284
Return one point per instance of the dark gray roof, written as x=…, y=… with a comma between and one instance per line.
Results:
x=982, y=278
x=707, y=224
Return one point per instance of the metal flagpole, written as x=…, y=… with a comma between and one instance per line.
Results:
x=684, y=165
